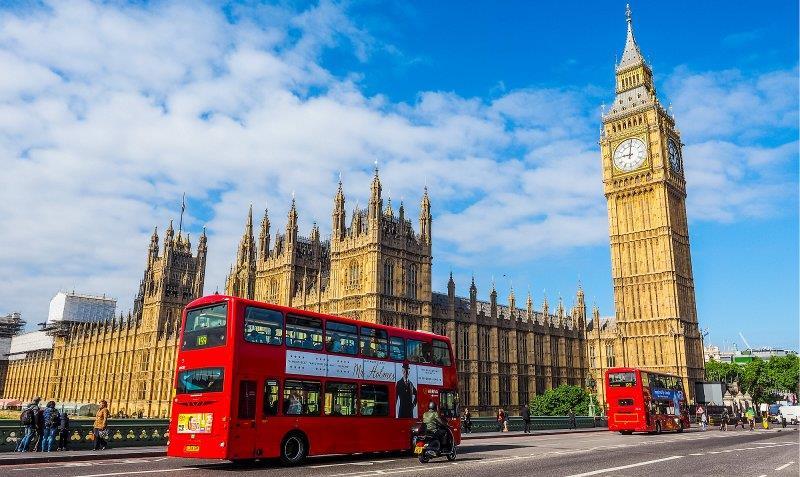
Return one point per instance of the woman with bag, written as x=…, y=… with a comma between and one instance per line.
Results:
x=101, y=427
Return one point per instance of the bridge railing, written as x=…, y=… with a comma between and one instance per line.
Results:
x=121, y=433
x=488, y=424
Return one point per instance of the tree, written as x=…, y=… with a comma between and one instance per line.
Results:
x=558, y=402
x=724, y=372
x=763, y=378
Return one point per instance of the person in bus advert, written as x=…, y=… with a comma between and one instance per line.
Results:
x=434, y=424
x=406, y=394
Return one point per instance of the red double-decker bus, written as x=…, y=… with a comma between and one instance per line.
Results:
x=256, y=380
x=643, y=401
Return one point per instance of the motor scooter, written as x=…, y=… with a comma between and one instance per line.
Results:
x=428, y=447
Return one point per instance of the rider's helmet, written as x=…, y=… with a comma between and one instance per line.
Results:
x=431, y=406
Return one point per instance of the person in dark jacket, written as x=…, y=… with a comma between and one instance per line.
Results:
x=467, y=420
x=50, y=423
x=526, y=419
x=63, y=432
x=572, y=422
x=30, y=411
x=37, y=446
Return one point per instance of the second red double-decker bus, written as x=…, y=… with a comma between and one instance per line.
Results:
x=643, y=401
x=256, y=380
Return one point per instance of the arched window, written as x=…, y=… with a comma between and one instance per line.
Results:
x=412, y=281
x=353, y=275
x=388, y=277
x=273, y=291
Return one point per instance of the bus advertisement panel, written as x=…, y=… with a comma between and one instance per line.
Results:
x=256, y=380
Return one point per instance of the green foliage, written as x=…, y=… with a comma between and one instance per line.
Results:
x=760, y=378
x=558, y=402
x=724, y=372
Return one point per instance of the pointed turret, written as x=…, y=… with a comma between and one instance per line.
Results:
x=375, y=201
x=631, y=55
x=473, y=292
x=152, y=254
x=264, y=237
x=389, y=212
x=169, y=237
x=314, y=233
x=355, y=224
x=338, y=231
x=291, y=224
x=529, y=306
x=451, y=287
x=512, y=301
x=247, y=252
x=425, y=218
x=401, y=212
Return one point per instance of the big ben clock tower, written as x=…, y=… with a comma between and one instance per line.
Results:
x=650, y=258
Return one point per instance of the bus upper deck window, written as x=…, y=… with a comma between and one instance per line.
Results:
x=263, y=326
x=205, y=327
x=303, y=332
x=441, y=353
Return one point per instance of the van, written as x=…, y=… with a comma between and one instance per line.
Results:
x=790, y=413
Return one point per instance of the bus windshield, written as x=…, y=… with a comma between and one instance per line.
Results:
x=205, y=327
x=196, y=381
x=625, y=379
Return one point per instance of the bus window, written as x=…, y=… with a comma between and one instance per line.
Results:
x=374, y=400
x=247, y=399
x=300, y=398
x=441, y=353
x=448, y=403
x=623, y=379
x=270, y=397
x=340, y=399
x=374, y=343
x=303, y=332
x=206, y=380
x=341, y=338
x=397, y=349
x=205, y=327
x=419, y=351
x=263, y=326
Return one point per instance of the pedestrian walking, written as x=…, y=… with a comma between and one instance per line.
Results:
x=63, y=432
x=739, y=419
x=50, y=422
x=723, y=425
x=571, y=418
x=28, y=420
x=526, y=419
x=100, y=428
x=704, y=421
x=466, y=419
x=751, y=418
x=501, y=420
x=701, y=417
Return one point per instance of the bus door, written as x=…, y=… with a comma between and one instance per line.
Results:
x=244, y=425
x=269, y=433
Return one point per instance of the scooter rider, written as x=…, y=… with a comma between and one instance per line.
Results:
x=435, y=425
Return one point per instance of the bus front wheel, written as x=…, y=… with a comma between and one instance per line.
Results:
x=294, y=448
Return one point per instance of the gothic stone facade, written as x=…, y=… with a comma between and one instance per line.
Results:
x=128, y=361
x=656, y=318
x=378, y=269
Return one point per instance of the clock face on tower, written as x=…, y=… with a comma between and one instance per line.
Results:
x=629, y=155
x=674, y=156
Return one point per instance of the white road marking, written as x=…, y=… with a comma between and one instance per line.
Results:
x=785, y=465
x=629, y=466
x=138, y=472
x=763, y=475
x=370, y=462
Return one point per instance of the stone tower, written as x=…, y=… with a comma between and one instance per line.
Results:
x=646, y=192
x=171, y=280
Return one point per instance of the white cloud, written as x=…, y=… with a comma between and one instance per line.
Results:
x=109, y=113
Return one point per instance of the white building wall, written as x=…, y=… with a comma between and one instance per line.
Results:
x=27, y=342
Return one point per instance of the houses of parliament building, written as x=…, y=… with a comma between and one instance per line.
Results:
x=376, y=267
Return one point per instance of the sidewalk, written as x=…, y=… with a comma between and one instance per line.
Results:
x=17, y=458
x=543, y=432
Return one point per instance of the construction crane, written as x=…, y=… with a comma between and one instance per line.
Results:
x=745, y=341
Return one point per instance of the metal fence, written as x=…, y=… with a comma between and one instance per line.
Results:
x=538, y=423
x=121, y=433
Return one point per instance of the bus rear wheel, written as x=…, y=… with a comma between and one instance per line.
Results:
x=294, y=449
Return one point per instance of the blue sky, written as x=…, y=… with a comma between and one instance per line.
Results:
x=109, y=111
